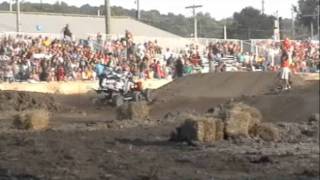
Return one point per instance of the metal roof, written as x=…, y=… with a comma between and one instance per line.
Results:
x=80, y=25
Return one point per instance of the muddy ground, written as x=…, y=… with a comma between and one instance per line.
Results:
x=86, y=141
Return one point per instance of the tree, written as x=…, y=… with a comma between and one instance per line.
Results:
x=307, y=11
x=250, y=23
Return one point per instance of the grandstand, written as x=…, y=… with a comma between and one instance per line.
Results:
x=83, y=25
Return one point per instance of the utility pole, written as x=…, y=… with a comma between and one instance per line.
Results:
x=262, y=7
x=18, y=16
x=107, y=15
x=194, y=7
x=311, y=29
x=318, y=19
x=138, y=10
x=225, y=32
x=276, y=31
x=10, y=6
x=293, y=28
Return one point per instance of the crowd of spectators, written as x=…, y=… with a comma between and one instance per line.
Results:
x=265, y=56
x=303, y=55
x=26, y=58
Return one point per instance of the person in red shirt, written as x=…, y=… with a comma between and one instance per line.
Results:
x=285, y=70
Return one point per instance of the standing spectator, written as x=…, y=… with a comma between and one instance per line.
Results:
x=211, y=61
x=60, y=73
x=285, y=71
x=179, y=68
x=67, y=33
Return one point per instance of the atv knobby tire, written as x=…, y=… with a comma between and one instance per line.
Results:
x=137, y=96
x=117, y=100
x=147, y=95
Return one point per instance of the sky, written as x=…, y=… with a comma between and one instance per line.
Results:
x=218, y=9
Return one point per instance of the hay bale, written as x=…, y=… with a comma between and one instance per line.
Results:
x=133, y=111
x=32, y=120
x=268, y=132
x=256, y=116
x=241, y=120
x=237, y=125
x=219, y=130
x=200, y=129
x=184, y=116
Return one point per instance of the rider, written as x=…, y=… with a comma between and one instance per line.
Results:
x=100, y=70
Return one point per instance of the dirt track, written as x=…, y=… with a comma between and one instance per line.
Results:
x=87, y=142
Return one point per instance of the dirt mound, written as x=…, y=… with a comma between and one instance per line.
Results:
x=294, y=106
x=222, y=85
x=20, y=101
x=203, y=91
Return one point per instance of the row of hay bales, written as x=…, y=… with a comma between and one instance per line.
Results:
x=38, y=119
x=232, y=120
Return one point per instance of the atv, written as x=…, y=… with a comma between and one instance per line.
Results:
x=118, y=89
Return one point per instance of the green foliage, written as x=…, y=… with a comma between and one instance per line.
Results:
x=306, y=9
x=307, y=12
x=250, y=23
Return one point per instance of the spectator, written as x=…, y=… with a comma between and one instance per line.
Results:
x=67, y=33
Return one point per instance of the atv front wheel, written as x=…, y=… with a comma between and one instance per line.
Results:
x=137, y=96
x=117, y=100
x=147, y=95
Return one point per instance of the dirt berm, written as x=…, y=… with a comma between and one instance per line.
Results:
x=198, y=93
x=223, y=85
